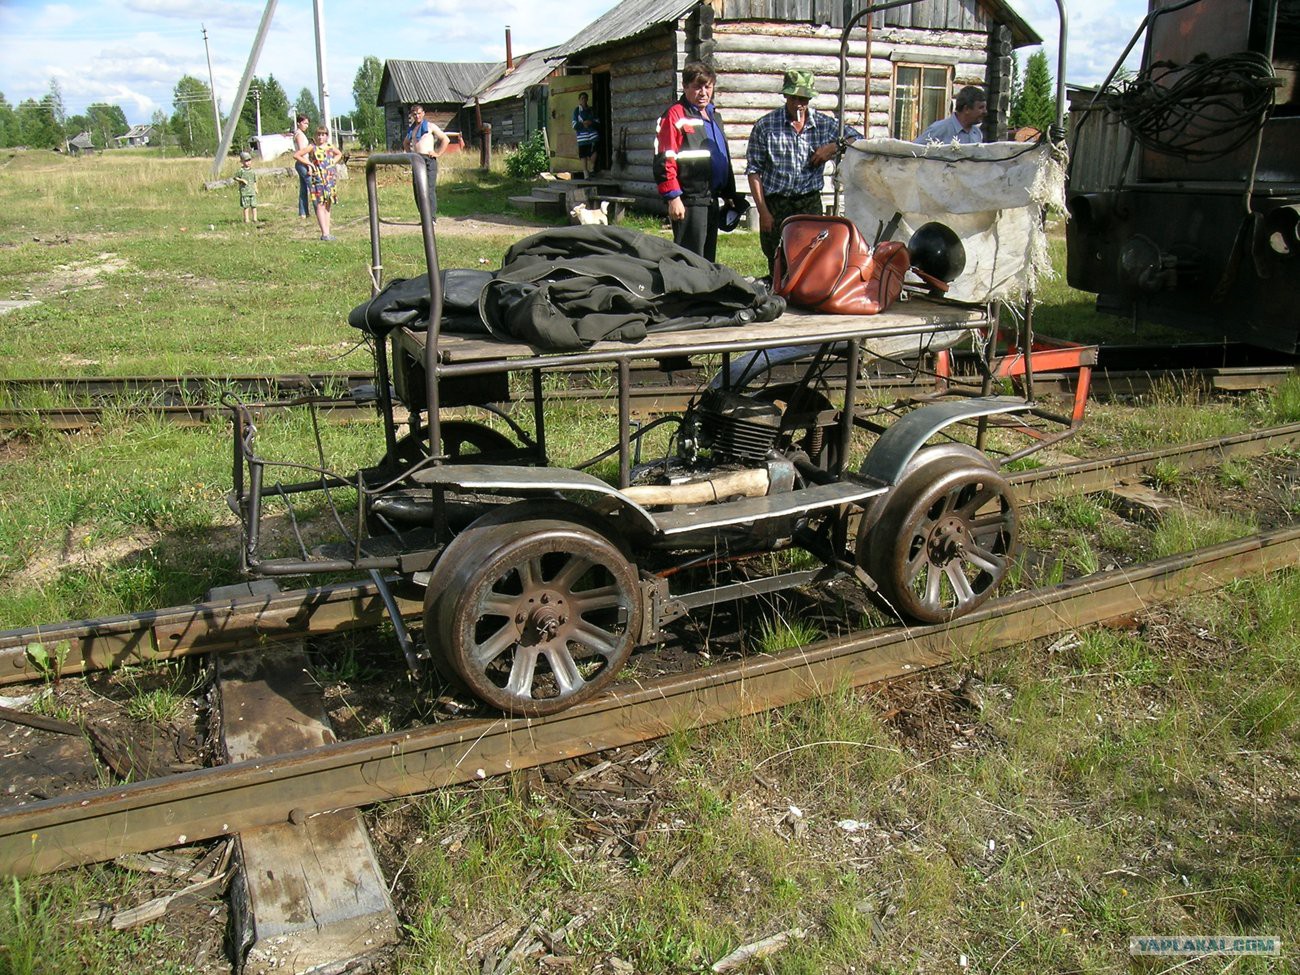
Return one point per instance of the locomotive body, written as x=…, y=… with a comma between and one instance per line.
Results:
x=1184, y=184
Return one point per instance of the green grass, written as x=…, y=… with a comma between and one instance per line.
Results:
x=1108, y=790
x=36, y=937
x=1182, y=531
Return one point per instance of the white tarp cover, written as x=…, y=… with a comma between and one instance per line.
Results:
x=993, y=196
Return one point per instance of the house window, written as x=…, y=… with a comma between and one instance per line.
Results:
x=922, y=93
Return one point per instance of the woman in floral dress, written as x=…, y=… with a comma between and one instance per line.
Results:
x=322, y=175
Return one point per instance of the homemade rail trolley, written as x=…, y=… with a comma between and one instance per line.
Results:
x=539, y=581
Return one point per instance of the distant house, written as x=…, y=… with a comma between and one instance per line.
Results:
x=344, y=134
x=514, y=100
x=137, y=135
x=81, y=144
x=443, y=87
x=921, y=54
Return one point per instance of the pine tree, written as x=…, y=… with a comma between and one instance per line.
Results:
x=192, y=123
x=1038, y=103
x=1016, y=119
x=36, y=125
x=277, y=113
x=54, y=101
x=161, y=136
x=9, y=129
x=105, y=123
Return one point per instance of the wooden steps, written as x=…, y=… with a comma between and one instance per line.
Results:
x=554, y=199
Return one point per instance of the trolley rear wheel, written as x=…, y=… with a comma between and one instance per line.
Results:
x=543, y=616
x=944, y=539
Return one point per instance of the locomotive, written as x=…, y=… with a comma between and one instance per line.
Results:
x=1184, y=181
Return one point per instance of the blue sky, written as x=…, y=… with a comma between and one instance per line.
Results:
x=132, y=52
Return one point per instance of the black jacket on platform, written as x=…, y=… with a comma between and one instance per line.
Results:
x=563, y=289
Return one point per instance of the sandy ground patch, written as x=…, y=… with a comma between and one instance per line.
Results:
x=78, y=276
x=77, y=553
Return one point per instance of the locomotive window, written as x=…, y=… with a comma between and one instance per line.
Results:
x=921, y=96
x=1286, y=53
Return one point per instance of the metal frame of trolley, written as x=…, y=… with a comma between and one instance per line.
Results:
x=539, y=581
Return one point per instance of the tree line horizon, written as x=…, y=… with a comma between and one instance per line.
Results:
x=45, y=124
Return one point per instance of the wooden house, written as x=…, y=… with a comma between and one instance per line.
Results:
x=137, y=135
x=515, y=104
x=443, y=87
x=920, y=56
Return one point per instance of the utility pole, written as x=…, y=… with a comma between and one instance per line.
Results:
x=321, y=81
x=257, y=109
x=244, y=83
x=212, y=85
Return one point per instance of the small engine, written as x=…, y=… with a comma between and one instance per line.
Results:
x=731, y=427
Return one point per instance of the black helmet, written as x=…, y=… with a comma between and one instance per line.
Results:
x=733, y=211
x=937, y=250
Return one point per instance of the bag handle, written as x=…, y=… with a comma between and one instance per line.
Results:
x=792, y=275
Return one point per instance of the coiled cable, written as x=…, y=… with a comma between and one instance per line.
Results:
x=1199, y=111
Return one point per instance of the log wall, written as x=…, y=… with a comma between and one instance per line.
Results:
x=751, y=56
x=506, y=116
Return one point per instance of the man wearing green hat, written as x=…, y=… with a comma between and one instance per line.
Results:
x=788, y=151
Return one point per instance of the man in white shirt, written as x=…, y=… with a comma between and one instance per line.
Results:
x=963, y=125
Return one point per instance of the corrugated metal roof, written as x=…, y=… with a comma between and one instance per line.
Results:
x=530, y=69
x=633, y=17
x=628, y=19
x=432, y=81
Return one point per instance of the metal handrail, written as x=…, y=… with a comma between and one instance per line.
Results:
x=420, y=177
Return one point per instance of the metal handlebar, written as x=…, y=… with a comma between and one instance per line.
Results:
x=420, y=178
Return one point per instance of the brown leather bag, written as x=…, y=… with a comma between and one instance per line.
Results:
x=824, y=264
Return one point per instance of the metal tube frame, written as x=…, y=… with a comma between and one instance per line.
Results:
x=420, y=177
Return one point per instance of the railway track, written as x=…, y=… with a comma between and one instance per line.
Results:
x=195, y=400
x=228, y=624
x=220, y=801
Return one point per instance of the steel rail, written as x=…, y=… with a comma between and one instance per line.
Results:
x=647, y=396
x=177, y=388
x=178, y=631
x=68, y=418
x=208, y=803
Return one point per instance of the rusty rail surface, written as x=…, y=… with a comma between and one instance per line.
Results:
x=214, y=802
x=228, y=624
x=648, y=396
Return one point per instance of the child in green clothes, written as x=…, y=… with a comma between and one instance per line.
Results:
x=246, y=180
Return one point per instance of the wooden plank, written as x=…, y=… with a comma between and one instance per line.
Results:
x=309, y=893
x=918, y=319
x=167, y=633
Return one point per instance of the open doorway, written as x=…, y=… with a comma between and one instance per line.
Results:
x=602, y=102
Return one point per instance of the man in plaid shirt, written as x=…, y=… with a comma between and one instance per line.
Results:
x=786, y=161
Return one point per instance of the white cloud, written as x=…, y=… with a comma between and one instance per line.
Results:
x=237, y=14
x=1095, y=34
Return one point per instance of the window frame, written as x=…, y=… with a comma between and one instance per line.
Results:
x=922, y=66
